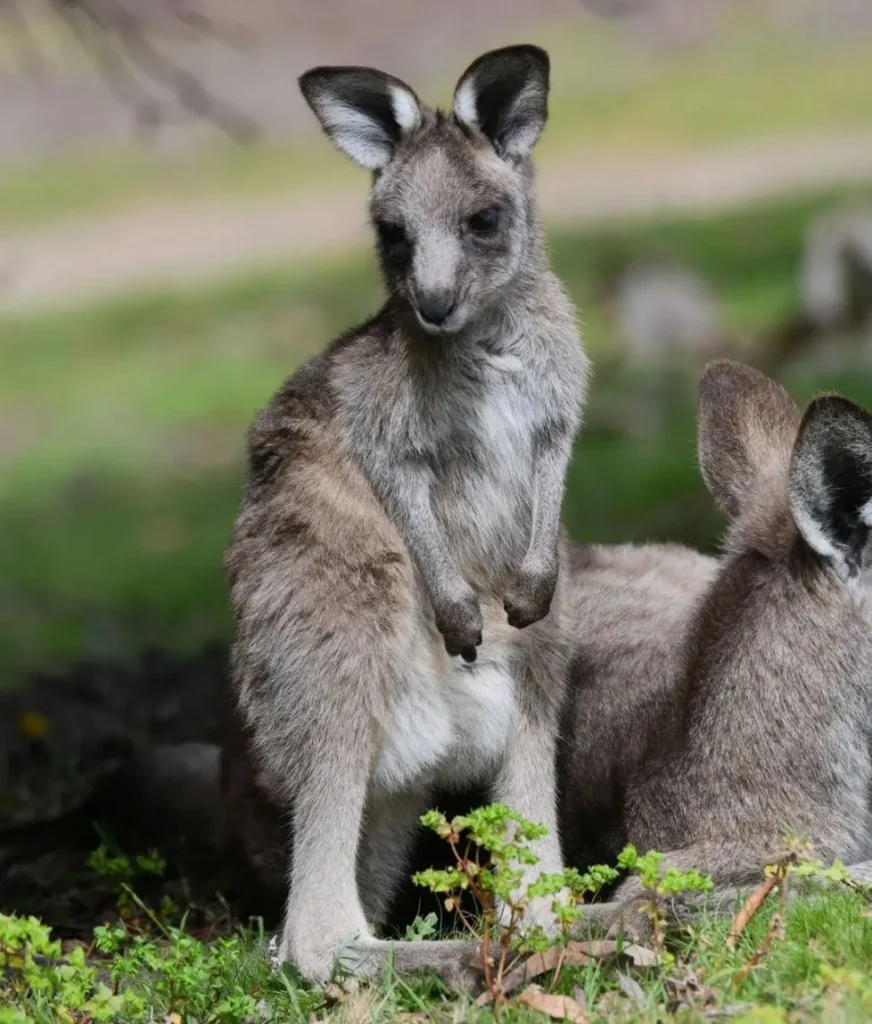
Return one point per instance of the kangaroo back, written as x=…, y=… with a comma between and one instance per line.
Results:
x=772, y=705
x=629, y=611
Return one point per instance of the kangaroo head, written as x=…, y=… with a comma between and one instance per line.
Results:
x=452, y=197
x=790, y=608
x=787, y=480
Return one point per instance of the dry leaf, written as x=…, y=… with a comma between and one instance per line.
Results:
x=537, y=965
x=573, y=954
x=597, y=948
x=337, y=992
x=556, y=1007
x=688, y=992
x=641, y=955
x=174, y=1018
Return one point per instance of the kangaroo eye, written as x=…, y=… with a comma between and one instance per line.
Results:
x=391, y=234
x=485, y=221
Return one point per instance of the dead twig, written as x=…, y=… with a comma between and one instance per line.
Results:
x=573, y=954
x=537, y=965
x=119, y=42
x=749, y=909
x=31, y=58
x=774, y=932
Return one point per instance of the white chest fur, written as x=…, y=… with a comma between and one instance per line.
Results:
x=483, y=494
x=505, y=411
x=448, y=727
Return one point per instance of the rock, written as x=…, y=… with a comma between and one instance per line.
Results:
x=174, y=790
x=62, y=737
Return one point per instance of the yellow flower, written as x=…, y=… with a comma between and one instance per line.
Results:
x=32, y=724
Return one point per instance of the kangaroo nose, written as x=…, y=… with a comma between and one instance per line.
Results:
x=436, y=307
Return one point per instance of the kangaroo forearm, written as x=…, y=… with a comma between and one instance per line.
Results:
x=407, y=499
x=547, y=502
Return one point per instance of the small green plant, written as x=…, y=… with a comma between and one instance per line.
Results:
x=798, y=861
x=847, y=994
x=124, y=871
x=492, y=858
x=145, y=968
x=121, y=866
x=188, y=980
x=660, y=884
x=422, y=928
x=41, y=984
x=173, y=976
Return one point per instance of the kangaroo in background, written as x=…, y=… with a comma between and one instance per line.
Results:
x=398, y=549
x=628, y=610
x=769, y=728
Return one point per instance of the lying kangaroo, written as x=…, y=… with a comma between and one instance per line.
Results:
x=767, y=728
x=397, y=552
x=628, y=610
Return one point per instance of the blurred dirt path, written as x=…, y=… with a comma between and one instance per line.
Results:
x=175, y=244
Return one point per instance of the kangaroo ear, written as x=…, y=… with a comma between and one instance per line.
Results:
x=504, y=95
x=831, y=480
x=746, y=429
x=364, y=112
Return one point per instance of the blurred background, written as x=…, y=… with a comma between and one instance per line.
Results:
x=176, y=237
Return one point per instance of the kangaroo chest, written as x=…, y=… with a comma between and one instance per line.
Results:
x=485, y=468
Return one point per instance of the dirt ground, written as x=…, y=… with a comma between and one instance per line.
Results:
x=79, y=260
x=67, y=107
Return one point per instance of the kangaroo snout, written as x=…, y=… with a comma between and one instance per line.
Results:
x=435, y=307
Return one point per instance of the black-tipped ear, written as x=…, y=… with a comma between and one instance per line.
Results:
x=746, y=429
x=504, y=95
x=831, y=480
x=364, y=112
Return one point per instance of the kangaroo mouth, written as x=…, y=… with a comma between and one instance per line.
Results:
x=453, y=323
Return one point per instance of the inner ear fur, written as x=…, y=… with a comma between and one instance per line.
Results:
x=504, y=95
x=364, y=112
x=746, y=429
x=831, y=479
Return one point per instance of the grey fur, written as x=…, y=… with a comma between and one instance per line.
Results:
x=403, y=501
x=628, y=610
x=767, y=728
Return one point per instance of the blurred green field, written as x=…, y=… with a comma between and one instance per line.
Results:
x=754, y=78
x=122, y=429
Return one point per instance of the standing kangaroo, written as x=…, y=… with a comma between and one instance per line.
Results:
x=769, y=728
x=397, y=552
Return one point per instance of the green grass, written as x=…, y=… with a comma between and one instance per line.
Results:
x=818, y=971
x=749, y=81
x=122, y=429
x=813, y=966
x=610, y=99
